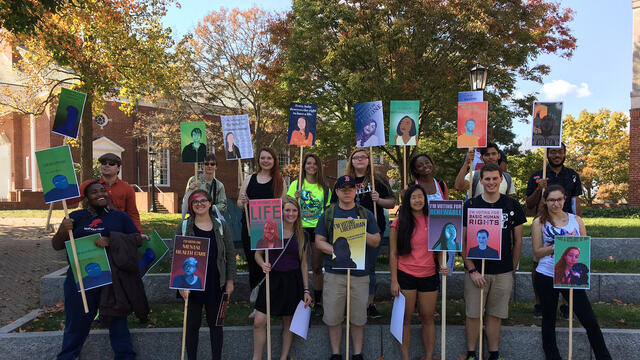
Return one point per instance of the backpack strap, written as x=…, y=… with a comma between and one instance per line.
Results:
x=325, y=193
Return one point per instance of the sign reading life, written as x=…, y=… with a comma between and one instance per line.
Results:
x=261, y=212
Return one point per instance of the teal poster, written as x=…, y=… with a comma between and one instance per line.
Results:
x=193, y=141
x=403, y=122
x=572, y=259
x=94, y=264
x=151, y=252
x=69, y=113
x=57, y=175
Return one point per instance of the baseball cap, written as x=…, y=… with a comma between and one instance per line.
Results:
x=344, y=181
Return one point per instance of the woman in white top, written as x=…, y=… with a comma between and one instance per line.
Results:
x=552, y=221
x=422, y=170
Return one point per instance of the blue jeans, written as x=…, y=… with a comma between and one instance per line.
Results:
x=78, y=323
x=371, y=257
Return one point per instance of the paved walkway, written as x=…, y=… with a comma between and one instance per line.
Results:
x=25, y=256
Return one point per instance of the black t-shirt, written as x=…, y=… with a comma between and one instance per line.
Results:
x=512, y=216
x=363, y=197
x=567, y=178
x=212, y=292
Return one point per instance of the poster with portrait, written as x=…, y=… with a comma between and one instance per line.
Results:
x=404, y=117
x=236, y=135
x=190, y=262
x=302, y=124
x=151, y=252
x=193, y=141
x=472, y=124
x=349, y=243
x=445, y=225
x=265, y=219
x=93, y=261
x=547, y=124
x=572, y=259
x=369, y=124
x=57, y=175
x=68, y=113
x=484, y=234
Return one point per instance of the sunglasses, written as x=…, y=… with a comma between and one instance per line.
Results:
x=200, y=202
x=110, y=163
x=210, y=164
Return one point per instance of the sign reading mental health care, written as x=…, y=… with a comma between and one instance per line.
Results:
x=57, y=175
x=445, y=225
x=69, y=112
x=472, y=124
x=547, y=124
x=302, y=124
x=572, y=259
x=484, y=234
x=369, y=124
x=236, y=134
x=265, y=218
x=190, y=262
x=94, y=264
x=193, y=140
x=151, y=252
x=349, y=243
x=404, y=118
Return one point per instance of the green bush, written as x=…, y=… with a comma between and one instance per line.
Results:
x=612, y=212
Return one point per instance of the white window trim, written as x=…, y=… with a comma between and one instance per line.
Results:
x=168, y=153
x=27, y=167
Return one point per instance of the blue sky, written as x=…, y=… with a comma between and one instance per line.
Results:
x=597, y=76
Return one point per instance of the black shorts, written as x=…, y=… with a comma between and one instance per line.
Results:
x=311, y=234
x=424, y=284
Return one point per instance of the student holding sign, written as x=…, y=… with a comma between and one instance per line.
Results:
x=414, y=268
x=423, y=169
x=221, y=270
x=207, y=181
x=97, y=218
x=498, y=279
x=553, y=221
x=289, y=280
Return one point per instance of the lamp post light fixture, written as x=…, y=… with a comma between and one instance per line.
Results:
x=478, y=77
x=152, y=159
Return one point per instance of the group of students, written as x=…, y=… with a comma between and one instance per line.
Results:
x=309, y=210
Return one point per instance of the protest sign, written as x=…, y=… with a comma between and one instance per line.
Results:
x=222, y=309
x=193, y=141
x=190, y=262
x=57, y=175
x=471, y=96
x=265, y=220
x=572, y=256
x=547, y=124
x=369, y=124
x=302, y=124
x=403, y=122
x=349, y=243
x=237, y=137
x=472, y=124
x=93, y=261
x=68, y=113
x=484, y=234
x=151, y=252
x=445, y=225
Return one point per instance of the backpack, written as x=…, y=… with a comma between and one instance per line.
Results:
x=476, y=179
x=330, y=213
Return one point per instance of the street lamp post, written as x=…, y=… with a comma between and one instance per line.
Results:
x=478, y=77
x=152, y=160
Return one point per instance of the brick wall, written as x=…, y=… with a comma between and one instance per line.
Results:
x=634, y=158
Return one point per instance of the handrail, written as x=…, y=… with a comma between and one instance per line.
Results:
x=160, y=191
x=137, y=187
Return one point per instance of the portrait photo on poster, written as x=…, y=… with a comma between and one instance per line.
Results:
x=349, y=244
x=472, y=124
x=572, y=259
x=369, y=120
x=404, y=122
x=236, y=134
x=93, y=261
x=484, y=234
x=193, y=141
x=190, y=262
x=57, y=174
x=302, y=124
x=68, y=113
x=265, y=224
x=445, y=225
x=547, y=124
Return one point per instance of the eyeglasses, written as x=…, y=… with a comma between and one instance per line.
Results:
x=554, y=200
x=210, y=164
x=200, y=202
x=110, y=163
x=360, y=157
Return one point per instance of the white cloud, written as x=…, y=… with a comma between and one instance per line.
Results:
x=559, y=89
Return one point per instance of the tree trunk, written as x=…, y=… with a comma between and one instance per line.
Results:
x=86, y=141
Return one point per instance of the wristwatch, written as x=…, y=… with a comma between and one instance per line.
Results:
x=473, y=271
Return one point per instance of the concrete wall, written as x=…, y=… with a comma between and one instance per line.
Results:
x=601, y=248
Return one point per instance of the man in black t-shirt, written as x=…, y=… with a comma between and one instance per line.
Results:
x=498, y=279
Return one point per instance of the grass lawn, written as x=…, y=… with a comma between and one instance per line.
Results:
x=616, y=316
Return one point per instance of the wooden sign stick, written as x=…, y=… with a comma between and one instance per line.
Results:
x=348, y=308
x=373, y=186
x=443, y=315
x=239, y=175
x=544, y=164
x=470, y=191
x=404, y=167
x=266, y=256
x=481, y=314
x=300, y=171
x=46, y=227
x=570, y=323
x=76, y=263
x=184, y=326
x=195, y=171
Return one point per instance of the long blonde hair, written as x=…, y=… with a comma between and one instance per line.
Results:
x=297, y=226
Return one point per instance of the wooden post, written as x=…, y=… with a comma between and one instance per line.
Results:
x=481, y=315
x=373, y=185
x=46, y=227
x=195, y=171
x=443, y=315
x=404, y=167
x=268, y=295
x=544, y=164
x=470, y=191
x=76, y=263
x=348, y=308
x=300, y=171
x=239, y=175
x=184, y=326
x=570, y=323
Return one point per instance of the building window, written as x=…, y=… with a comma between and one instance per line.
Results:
x=284, y=159
x=161, y=167
x=27, y=168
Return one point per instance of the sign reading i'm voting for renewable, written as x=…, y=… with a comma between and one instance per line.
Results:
x=57, y=175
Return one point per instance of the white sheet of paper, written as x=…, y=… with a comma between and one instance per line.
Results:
x=397, y=317
x=300, y=321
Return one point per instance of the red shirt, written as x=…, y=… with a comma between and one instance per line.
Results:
x=122, y=198
x=420, y=262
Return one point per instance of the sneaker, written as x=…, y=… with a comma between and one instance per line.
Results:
x=372, y=312
x=318, y=311
x=357, y=357
x=537, y=311
x=336, y=357
x=564, y=311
